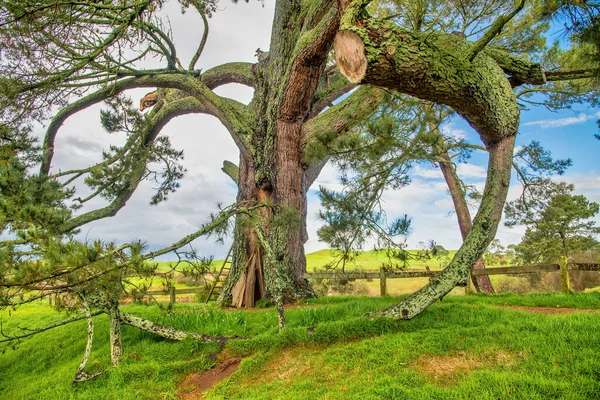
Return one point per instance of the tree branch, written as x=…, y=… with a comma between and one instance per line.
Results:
x=519, y=68
x=32, y=332
x=160, y=119
x=235, y=72
x=232, y=171
x=570, y=75
x=230, y=112
x=196, y=56
x=493, y=31
x=325, y=97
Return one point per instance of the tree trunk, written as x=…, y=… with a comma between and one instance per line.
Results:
x=116, y=347
x=484, y=230
x=481, y=283
x=248, y=280
x=272, y=168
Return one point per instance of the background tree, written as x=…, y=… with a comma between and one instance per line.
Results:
x=558, y=226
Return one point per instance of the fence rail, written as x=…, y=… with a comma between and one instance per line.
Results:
x=172, y=292
x=563, y=266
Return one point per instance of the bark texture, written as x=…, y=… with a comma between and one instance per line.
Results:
x=481, y=283
x=290, y=90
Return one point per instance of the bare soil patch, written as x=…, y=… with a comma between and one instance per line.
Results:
x=445, y=369
x=550, y=310
x=194, y=386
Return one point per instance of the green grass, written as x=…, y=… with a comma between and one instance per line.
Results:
x=500, y=353
x=367, y=260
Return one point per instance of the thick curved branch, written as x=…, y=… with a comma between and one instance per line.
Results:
x=229, y=112
x=483, y=231
x=428, y=66
x=163, y=116
x=74, y=108
x=235, y=72
x=522, y=70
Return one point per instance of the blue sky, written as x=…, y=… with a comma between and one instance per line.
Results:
x=206, y=143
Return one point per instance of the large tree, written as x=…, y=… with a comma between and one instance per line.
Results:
x=91, y=49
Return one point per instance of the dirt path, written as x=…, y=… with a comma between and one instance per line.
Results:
x=550, y=310
x=197, y=383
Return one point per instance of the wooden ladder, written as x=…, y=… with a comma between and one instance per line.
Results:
x=217, y=285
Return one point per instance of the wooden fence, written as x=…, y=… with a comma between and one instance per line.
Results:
x=172, y=292
x=383, y=275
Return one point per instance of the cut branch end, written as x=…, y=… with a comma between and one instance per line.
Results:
x=350, y=55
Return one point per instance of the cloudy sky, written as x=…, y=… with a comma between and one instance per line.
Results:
x=235, y=33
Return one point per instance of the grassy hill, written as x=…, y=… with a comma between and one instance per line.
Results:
x=464, y=347
x=368, y=260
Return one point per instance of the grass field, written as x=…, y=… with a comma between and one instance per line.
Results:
x=464, y=347
x=368, y=260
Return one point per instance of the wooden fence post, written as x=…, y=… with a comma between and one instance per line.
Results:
x=172, y=296
x=564, y=275
x=382, y=282
x=469, y=287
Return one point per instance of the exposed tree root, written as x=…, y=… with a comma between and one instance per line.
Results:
x=81, y=375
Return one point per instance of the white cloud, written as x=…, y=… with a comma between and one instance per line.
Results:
x=560, y=122
x=444, y=204
x=467, y=170
x=451, y=130
x=428, y=173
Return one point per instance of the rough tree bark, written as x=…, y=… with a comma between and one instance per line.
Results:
x=481, y=283
x=290, y=91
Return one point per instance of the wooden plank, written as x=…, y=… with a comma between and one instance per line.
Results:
x=159, y=292
x=344, y=275
x=177, y=291
x=411, y=274
x=189, y=291
x=369, y=275
x=583, y=267
x=523, y=269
